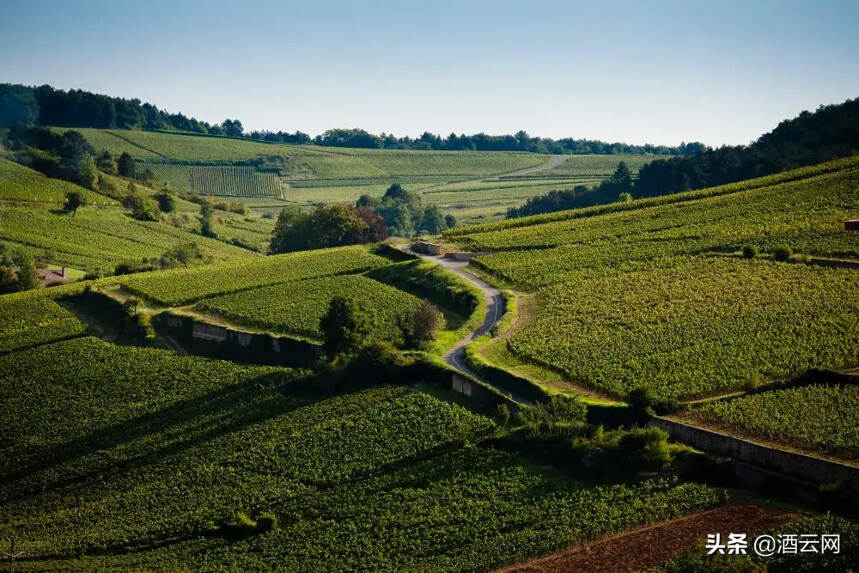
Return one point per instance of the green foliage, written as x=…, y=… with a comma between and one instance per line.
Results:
x=344, y=326
x=125, y=165
x=296, y=307
x=181, y=286
x=166, y=201
x=421, y=325
x=22, y=184
x=782, y=253
x=326, y=226
x=644, y=449
x=822, y=418
x=34, y=319
x=632, y=296
x=142, y=208
x=750, y=252
x=625, y=197
x=26, y=277
x=100, y=238
x=74, y=200
x=545, y=418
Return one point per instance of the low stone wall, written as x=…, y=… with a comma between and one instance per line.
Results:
x=799, y=465
x=216, y=341
x=461, y=255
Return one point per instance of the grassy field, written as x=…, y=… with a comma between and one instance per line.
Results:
x=647, y=293
x=823, y=418
x=296, y=308
x=111, y=472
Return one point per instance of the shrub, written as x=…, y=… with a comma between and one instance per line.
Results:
x=625, y=197
x=267, y=521
x=376, y=362
x=750, y=252
x=422, y=325
x=782, y=253
x=547, y=417
x=641, y=398
x=644, y=449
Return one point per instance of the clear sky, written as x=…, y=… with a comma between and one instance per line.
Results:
x=720, y=71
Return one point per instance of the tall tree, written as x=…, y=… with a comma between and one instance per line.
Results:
x=344, y=326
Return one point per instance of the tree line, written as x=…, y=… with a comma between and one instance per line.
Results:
x=45, y=105
x=828, y=133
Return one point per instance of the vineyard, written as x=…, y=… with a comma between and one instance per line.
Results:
x=297, y=307
x=99, y=238
x=19, y=183
x=598, y=165
x=311, y=175
x=821, y=418
x=33, y=320
x=111, y=472
x=651, y=294
x=234, y=182
x=695, y=326
x=181, y=286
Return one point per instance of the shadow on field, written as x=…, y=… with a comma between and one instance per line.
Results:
x=149, y=437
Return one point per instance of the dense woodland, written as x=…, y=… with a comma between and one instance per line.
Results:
x=45, y=105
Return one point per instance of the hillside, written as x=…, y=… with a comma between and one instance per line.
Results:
x=101, y=234
x=653, y=293
x=471, y=185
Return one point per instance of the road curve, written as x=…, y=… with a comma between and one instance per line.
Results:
x=455, y=357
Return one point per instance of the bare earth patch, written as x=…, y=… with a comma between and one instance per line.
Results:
x=653, y=545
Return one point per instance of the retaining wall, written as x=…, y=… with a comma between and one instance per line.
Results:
x=796, y=464
x=215, y=341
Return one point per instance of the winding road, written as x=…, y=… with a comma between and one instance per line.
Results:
x=455, y=357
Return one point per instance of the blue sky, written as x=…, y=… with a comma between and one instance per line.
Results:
x=648, y=71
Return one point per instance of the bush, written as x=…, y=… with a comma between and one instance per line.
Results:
x=376, y=362
x=547, y=417
x=782, y=253
x=267, y=521
x=641, y=398
x=750, y=252
x=644, y=449
x=421, y=325
x=625, y=197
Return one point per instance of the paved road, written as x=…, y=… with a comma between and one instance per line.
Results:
x=455, y=357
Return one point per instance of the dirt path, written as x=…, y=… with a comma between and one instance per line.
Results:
x=652, y=546
x=554, y=161
x=455, y=357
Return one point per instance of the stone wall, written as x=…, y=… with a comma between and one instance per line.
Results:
x=796, y=464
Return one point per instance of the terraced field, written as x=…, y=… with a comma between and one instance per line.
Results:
x=181, y=286
x=312, y=175
x=646, y=294
x=817, y=417
x=110, y=472
x=33, y=320
x=296, y=307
